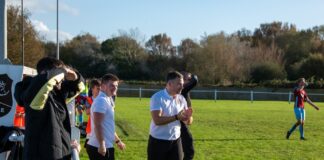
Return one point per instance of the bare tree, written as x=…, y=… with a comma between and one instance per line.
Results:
x=34, y=49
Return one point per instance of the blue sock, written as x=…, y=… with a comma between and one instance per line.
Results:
x=301, y=130
x=80, y=118
x=292, y=128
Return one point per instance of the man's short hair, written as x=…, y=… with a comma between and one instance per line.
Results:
x=48, y=63
x=173, y=75
x=94, y=83
x=109, y=77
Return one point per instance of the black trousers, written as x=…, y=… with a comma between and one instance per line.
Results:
x=86, y=143
x=158, y=149
x=94, y=154
x=187, y=142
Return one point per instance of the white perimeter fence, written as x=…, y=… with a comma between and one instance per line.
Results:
x=223, y=94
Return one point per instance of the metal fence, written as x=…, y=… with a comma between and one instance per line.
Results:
x=216, y=94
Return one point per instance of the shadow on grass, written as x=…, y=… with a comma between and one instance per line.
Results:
x=240, y=139
x=222, y=139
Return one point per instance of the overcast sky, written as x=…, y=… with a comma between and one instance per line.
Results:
x=177, y=18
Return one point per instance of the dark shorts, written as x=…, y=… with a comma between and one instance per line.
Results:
x=158, y=149
x=94, y=155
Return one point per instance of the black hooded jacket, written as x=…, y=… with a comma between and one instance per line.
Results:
x=48, y=129
x=188, y=87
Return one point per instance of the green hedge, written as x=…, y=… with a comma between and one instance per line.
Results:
x=313, y=84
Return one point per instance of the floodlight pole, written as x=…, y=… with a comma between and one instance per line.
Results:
x=22, y=34
x=57, y=31
x=3, y=30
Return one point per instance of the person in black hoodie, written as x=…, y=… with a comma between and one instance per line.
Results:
x=48, y=129
x=190, y=81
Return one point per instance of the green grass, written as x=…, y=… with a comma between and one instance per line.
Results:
x=228, y=130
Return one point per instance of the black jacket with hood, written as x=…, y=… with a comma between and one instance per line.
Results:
x=48, y=129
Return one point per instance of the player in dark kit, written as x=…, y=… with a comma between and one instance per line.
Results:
x=190, y=81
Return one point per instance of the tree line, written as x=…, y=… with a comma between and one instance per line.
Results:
x=273, y=51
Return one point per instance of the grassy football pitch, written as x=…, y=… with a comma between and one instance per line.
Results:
x=227, y=129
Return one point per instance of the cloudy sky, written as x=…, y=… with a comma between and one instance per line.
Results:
x=177, y=18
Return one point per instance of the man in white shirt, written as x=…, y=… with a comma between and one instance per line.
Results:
x=103, y=136
x=168, y=107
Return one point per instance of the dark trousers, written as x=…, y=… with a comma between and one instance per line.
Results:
x=86, y=143
x=187, y=142
x=94, y=154
x=158, y=149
